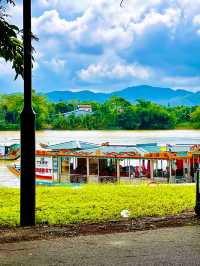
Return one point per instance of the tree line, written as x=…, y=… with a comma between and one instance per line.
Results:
x=115, y=113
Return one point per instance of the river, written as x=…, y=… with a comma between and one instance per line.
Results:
x=98, y=136
x=112, y=136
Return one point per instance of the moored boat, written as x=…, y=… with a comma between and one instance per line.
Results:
x=9, y=151
x=81, y=162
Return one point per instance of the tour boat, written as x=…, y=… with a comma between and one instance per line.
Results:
x=81, y=162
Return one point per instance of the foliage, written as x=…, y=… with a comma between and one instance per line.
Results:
x=11, y=40
x=63, y=107
x=11, y=45
x=154, y=116
x=93, y=203
x=11, y=107
x=183, y=113
x=115, y=113
x=195, y=116
x=128, y=119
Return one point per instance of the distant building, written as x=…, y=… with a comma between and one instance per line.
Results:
x=82, y=109
x=85, y=108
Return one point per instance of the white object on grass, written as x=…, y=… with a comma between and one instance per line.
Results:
x=125, y=213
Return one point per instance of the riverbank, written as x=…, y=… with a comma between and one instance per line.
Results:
x=99, y=203
x=181, y=126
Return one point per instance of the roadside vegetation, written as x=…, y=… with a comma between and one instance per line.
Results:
x=115, y=113
x=102, y=202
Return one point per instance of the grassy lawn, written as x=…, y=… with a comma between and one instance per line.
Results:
x=92, y=203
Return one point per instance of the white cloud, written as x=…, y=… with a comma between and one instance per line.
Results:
x=64, y=5
x=170, y=18
x=6, y=68
x=189, y=7
x=117, y=71
x=196, y=20
x=55, y=64
x=106, y=24
x=16, y=14
x=7, y=76
x=47, y=3
x=71, y=29
x=181, y=82
x=49, y=22
x=196, y=23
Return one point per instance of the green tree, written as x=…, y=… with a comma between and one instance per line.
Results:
x=154, y=116
x=63, y=107
x=112, y=109
x=41, y=107
x=128, y=119
x=11, y=107
x=195, y=117
x=182, y=113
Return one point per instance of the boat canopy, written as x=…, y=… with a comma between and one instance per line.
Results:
x=106, y=150
x=71, y=145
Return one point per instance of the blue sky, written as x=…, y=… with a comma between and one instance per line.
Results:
x=99, y=46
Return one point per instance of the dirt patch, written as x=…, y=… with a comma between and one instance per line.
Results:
x=15, y=234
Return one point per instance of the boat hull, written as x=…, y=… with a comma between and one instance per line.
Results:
x=39, y=178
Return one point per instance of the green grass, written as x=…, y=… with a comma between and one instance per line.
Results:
x=92, y=203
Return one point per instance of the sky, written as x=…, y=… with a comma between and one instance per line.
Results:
x=98, y=45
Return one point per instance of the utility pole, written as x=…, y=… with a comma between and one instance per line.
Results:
x=27, y=189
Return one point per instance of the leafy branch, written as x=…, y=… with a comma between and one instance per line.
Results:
x=11, y=41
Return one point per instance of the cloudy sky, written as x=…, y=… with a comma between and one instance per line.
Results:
x=100, y=46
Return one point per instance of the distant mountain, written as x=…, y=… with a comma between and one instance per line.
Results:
x=155, y=94
x=58, y=96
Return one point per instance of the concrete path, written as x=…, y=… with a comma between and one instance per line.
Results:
x=8, y=179
x=169, y=246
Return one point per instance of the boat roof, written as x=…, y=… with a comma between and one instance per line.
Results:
x=115, y=149
x=149, y=148
x=180, y=148
x=9, y=144
x=72, y=145
x=81, y=148
x=142, y=148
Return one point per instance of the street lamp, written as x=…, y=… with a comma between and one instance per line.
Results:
x=27, y=188
x=197, y=206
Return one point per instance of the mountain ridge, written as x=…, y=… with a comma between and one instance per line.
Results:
x=164, y=96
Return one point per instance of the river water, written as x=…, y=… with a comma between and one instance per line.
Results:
x=112, y=136
x=98, y=136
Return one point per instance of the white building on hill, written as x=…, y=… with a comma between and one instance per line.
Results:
x=82, y=109
x=85, y=108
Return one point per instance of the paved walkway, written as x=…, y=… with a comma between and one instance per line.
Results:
x=8, y=179
x=169, y=246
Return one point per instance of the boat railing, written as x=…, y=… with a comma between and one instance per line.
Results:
x=78, y=178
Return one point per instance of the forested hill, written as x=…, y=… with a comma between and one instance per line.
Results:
x=164, y=96
x=114, y=113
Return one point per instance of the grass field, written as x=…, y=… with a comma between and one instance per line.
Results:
x=91, y=203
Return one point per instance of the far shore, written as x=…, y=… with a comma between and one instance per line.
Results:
x=109, y=129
